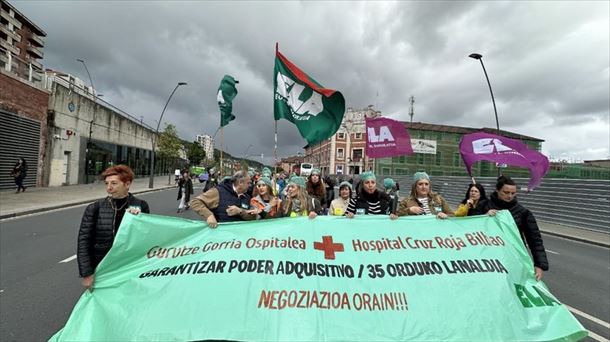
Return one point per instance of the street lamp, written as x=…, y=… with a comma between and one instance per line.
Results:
x=480, y=58
x=87, y=161
x=152, y=156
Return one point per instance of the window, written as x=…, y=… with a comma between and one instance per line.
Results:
x=385, y=171
x=439, y=158
x=340, y=153
x=457, y=160
x=357, y=154
x=340, y=135
x=339, y=169
x=358, y=136
x=420, y=158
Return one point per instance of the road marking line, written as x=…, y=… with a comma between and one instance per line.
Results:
x=552, y=252
x=589, y=317
x=68, y=259
x=596, y=336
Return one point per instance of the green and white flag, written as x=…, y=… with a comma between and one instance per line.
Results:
x=316, y=111
x=226, y=94
x=329, y=279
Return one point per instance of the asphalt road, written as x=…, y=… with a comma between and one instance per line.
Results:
x=38, y=290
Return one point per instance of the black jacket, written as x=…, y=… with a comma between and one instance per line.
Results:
x=187, y=186
x=377, y=203
x=96, y=233
x=526, y=222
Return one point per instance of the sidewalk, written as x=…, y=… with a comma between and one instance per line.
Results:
x=36, y=200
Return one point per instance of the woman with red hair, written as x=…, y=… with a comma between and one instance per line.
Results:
x=102, y=218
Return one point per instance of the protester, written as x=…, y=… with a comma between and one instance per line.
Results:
x=212, y=181
x=390, y=188
x=226, y=202
x=102, y=219
x=204, y=177
x=505, y=198
x=338, y=206
x=254, y=176
x=316, y=188
x=19, y=173
x=185, y=186
x=265, y=203
x=298, y=202
x=422, y=201
x=281, y=184
x=369, y=200
x=177, y=175
x=474, y=202
x=329, y=189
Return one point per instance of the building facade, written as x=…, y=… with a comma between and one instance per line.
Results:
x=436, y=150
x=288, y=164
x=86, y=135
x=23, y=98
x=344, y=152
x=21, y=44
x=207, y=143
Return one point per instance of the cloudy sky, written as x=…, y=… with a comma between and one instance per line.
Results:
x=548, y=62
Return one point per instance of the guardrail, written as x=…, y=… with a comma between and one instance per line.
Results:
x=580, y=203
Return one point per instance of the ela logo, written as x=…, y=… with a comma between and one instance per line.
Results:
x=384, y=134
x=297, y=98
x=488, y=145
x=534, y=296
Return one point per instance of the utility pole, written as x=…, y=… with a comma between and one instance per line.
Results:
x=411, y=109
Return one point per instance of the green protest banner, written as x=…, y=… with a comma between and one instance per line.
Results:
x=331, y=278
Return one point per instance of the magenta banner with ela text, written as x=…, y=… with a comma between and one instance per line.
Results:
x=491, y=147
x=386, y=138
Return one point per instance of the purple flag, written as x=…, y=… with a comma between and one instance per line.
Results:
x=491, y=147
x=386, y=138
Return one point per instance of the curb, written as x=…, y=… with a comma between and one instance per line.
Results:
x=66, y=205
x=576, y=238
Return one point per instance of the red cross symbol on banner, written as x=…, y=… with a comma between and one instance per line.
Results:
x=328, y=247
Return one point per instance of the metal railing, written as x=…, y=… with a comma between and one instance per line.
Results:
x=85, y=92
x=580, y=203
x=26, y=70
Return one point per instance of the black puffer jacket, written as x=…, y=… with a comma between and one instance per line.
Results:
x=96, y=233
x=527, y=227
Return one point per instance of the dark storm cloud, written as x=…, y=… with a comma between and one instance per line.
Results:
x=548, y=62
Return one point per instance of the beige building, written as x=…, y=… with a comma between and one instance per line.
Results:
x=344, y=153
x=207, y=143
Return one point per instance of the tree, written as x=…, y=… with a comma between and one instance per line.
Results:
x=169, y=144
x=195, y=153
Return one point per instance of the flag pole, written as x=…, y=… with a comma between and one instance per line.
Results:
x=275, y=124
x=473, y=181
x=275, y=148
x=221, y=148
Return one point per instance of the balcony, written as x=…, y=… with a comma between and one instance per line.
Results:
x=10, y=19
x=10, y=33
x=36, y=40
x=36, y=64
x=35, y=52
x=9, y=47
